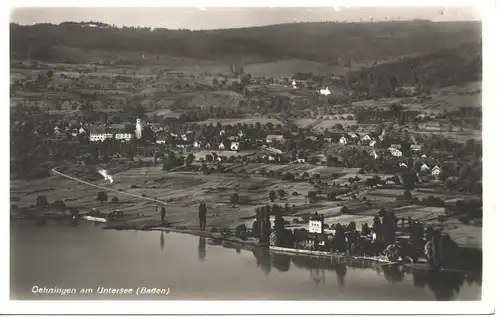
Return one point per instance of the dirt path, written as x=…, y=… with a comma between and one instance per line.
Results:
x=105, y=188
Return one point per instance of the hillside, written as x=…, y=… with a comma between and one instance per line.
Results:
x=449, y=67
x=335, y=43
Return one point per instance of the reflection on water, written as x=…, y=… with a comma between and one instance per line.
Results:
x=162, y=241
x=202, y=248
x=86, y=256
x=444, y=284
x=263, y=258
x=341, y=272
x=393, y=273
x=281, y=262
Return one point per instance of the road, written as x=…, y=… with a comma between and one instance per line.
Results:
x=55, y=171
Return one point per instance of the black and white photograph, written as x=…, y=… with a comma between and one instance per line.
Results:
x=246, y=153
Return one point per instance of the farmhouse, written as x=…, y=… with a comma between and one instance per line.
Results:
x=121, y=131
x=343, y=140
x=424, y=168
x=275, y=137
x=436, y=170
x=221, y=146
x=416, y=147
x=396, y=153
x=353, y=135
x=99, y=134
x=235, y=146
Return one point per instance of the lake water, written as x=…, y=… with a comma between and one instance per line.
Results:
x=194, y=268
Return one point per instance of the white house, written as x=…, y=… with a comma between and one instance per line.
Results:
x=98, y=133
x=81, y=130
x=436, y=171
x=301, y=161
x=366, y=138
x=222, y=132
x=221, y=146
x=374, y=154
x=235, y=146
x=396, y=153
x=416, y=147
x=424, y=168
x=424, y=156
x=352, y=135
x=270, y=158
x=208, y=145
x=372, y=143
x=403, y=165
x=343, y=140
x=315, y=226
x=196, y=144
x=100, y=137
x=240, y=134
x=123, y=136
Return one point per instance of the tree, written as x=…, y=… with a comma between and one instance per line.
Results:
x=281, y=193
x=312, y=196
x=209, y=158
x=41, y=201
x=102, y=197
x=235, y=198
x=59, y=205
x=407, y=195
x=409, y=179
x=450, y=183
x=272, y=195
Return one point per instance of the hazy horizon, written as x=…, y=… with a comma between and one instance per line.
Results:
x=222, y=18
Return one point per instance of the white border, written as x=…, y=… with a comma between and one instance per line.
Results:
x=490, y=104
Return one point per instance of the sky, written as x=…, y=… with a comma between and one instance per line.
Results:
x=217, y=18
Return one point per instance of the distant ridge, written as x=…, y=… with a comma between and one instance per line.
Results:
x=314, y=41
x=447, y=67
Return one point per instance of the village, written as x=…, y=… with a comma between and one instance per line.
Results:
x=197, y=161
x=253, y=143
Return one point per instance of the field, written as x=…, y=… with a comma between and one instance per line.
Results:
x=182, y=191
x=246, y=120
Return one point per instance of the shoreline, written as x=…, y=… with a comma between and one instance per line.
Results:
x=251, y=244
x=466, y=253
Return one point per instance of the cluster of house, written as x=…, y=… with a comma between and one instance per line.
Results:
x=394, y=149
x=61, y=130
x=117, y=131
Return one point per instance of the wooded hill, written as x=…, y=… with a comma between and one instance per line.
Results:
x=447, y=67
x=326, y=42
